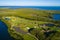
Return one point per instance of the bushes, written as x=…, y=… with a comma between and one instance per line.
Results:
x=56, y=36
x=45, y=35
x=37, y=33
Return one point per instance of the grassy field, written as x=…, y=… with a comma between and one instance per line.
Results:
x=25, y=19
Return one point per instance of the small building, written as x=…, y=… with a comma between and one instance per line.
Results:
x=28, y=28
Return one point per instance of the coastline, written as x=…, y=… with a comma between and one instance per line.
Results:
x=26, y=19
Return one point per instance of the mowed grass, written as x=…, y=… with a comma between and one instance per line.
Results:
x=24, y=24
x=18, y=21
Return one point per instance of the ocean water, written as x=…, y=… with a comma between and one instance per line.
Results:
x=56, y=16
x=4, y=35
x=35, y=7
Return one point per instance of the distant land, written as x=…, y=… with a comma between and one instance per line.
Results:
x=34, y=7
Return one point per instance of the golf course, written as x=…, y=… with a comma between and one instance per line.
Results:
x=31, y=24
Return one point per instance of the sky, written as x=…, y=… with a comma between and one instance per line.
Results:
x=29, y=2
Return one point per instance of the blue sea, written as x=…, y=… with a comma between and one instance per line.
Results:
x=4, y=35
x=34, y=7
